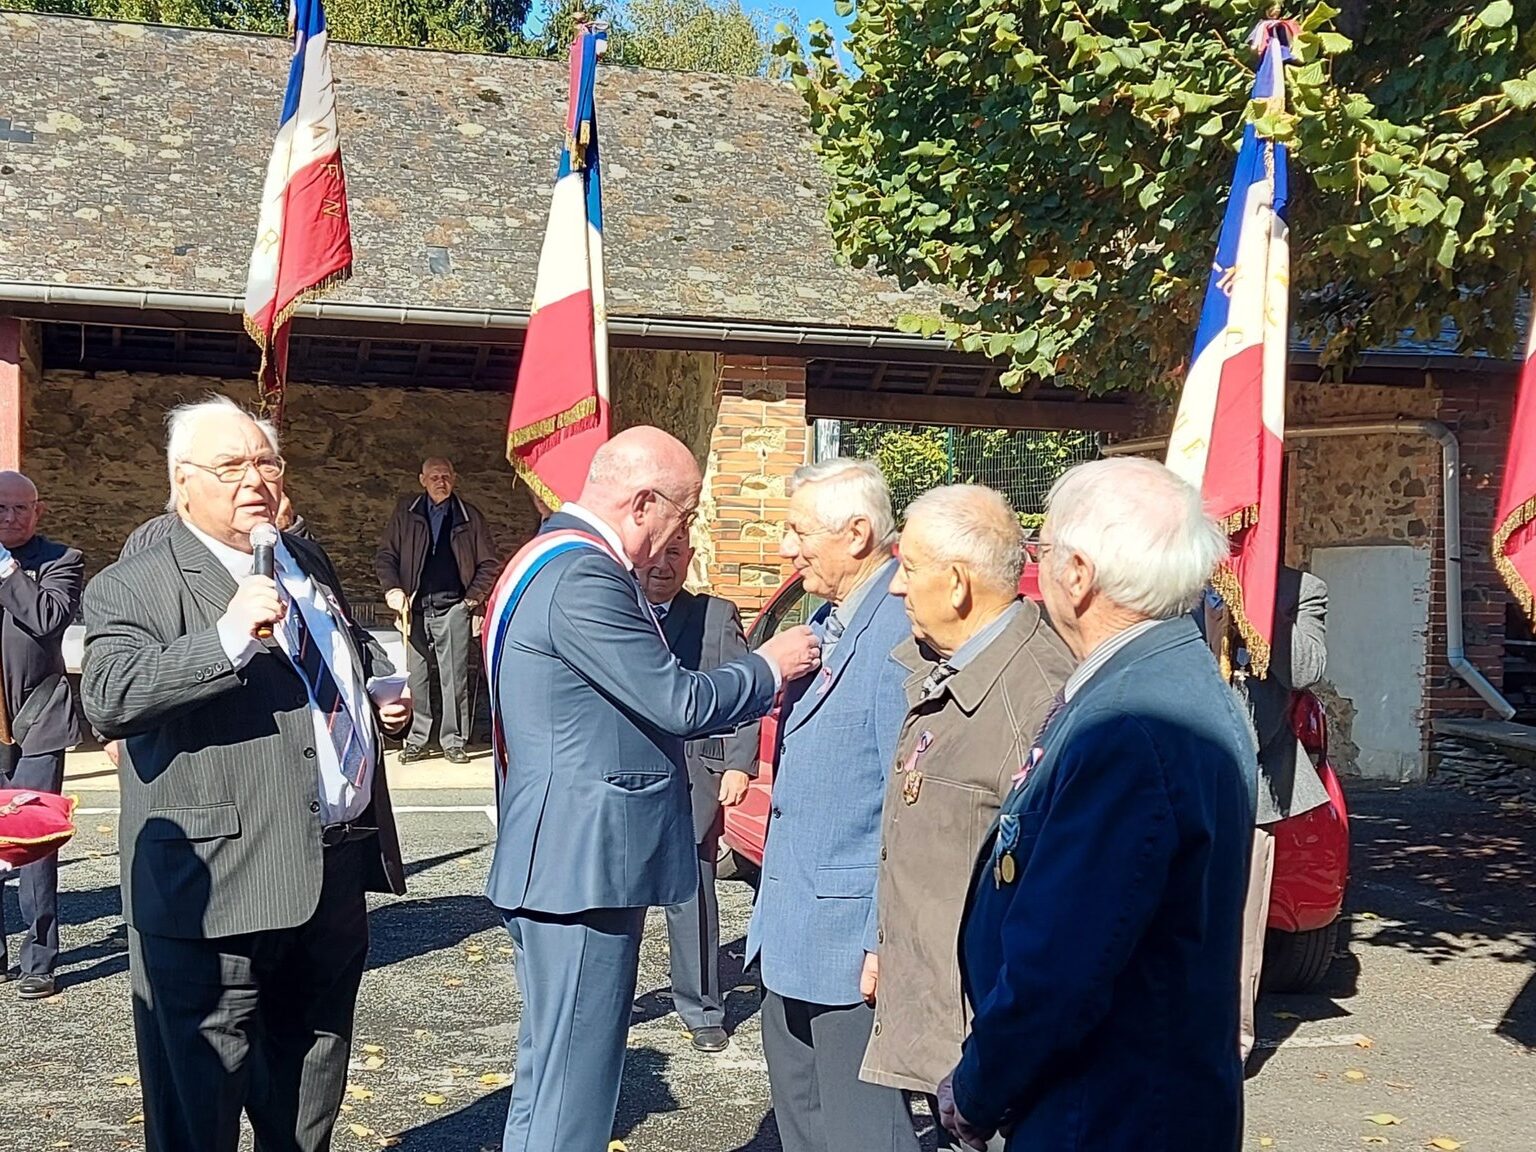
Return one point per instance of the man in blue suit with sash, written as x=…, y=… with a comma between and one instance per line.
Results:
x=1100, y=946
x=591, y=714
x=814, y=926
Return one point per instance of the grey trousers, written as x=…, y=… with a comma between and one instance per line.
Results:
x=37, y=885
x=693, y=939
x=260, y=1022
x=577, y=977
x=814, y=1052
x=439, y=649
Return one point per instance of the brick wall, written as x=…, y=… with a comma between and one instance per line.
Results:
x=760, y=437
x=1477, y=411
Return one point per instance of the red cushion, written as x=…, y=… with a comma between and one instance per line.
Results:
x=33, y=825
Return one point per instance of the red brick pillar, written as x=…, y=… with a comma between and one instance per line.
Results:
x=760, y=438
x=11, y=392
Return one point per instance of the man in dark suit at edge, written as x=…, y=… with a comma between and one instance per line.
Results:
x=703, y=632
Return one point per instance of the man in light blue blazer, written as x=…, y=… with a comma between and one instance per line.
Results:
x=814, y=927
x=595, y=822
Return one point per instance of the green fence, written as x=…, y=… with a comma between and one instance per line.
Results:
x=916, y=457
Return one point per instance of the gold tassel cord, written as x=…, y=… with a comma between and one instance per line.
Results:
x=1515, y=521
x=1226, y=584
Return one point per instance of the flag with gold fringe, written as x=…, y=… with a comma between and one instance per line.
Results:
x=303, y=235
x=1229, y=435
x=1514, y=533
x=560, y=404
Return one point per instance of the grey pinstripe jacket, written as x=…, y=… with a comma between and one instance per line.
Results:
x=220, y=825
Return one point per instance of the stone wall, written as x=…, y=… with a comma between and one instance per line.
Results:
x=95, y=447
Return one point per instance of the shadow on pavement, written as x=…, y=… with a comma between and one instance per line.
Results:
x=742, y=995
x=477, y=1126
x=404, y=929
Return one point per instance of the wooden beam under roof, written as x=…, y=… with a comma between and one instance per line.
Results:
x=970, y=412
x=932, y=384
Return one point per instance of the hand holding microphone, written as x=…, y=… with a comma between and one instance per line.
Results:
x=257, y=604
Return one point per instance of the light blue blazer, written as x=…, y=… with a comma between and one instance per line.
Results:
x=815, y=914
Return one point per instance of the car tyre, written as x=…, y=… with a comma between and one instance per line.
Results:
x=1298, y=961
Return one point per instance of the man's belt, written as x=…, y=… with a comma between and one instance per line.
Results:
x=439, y=601
x=335, y=835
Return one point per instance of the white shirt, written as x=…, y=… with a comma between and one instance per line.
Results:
x=1100, y=656
x=340, y=802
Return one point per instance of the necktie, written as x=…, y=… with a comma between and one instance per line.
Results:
x=661, y=611
x=306, y=655
x=834, y=626
x=1058, y=702
x=936, y=678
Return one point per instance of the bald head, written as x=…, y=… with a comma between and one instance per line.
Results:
x=644, y=484
x=19, y=509
x=438, y=478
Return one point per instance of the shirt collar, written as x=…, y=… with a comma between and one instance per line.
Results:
x=1100, y=656
x=850, y=603
x=236, y=563
x=978, y=643
x=601, y=527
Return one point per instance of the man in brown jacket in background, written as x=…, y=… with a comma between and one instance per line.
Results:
x=986, y=669
x=437, y=563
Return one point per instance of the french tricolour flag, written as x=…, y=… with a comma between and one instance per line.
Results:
x=560, y=405
x=303, y=237
x=1230, y=430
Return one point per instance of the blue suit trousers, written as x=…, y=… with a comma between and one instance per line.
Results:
x=577, y=975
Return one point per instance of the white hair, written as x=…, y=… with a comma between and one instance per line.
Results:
x=844, y=489
x=181, y=425
x=976, y=526
x=1151, y=543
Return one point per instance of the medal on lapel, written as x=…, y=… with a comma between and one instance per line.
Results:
x=913, y=782
x=1005, y=870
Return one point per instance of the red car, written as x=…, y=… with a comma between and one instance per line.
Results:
x=1311, y=850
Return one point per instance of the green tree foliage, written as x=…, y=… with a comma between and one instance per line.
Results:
x=463, y=25
x=690, y=35
x=1063, y=165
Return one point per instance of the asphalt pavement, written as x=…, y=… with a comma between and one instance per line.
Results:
x=1428, y=1023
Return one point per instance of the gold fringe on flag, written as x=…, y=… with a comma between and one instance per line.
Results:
x=583, y=410
x=1515, y=521
x=1226, y=584
x=265, y=403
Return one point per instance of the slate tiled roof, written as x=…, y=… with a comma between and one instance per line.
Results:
x=133, y=155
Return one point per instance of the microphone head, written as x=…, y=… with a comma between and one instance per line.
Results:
x=263, y=535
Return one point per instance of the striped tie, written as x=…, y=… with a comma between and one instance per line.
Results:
x=350, y=754
x=1058, y=702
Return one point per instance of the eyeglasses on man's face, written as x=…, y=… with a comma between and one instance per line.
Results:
x=689, y=515
x=234, y=471
x=1034, y=549
x=17, y=511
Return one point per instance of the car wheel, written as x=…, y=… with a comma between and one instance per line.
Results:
x=1298, y=961
x=731, y=865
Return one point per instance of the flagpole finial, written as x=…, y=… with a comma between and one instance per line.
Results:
x=1286, y=31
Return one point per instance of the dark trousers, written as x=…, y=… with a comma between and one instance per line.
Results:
x=577, y=977
x=37, y=885
x=814, y=1052
x=439, y=649
x=260, y=1022
x=693, y=940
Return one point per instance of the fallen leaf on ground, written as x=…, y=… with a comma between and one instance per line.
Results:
x=388, y=1141
x=1445, y=1144
x=453, y=982
x=618, y=1146
x=373, y=1063
x=1384, y=1119
x=373, y=1049
x=1354, y=1074
x=423, y=1034
x=504, y=951
x=358, y=1092
x=1398, y=1084
x=1266, y=1141
x=433, y=1099
x=493, y=1079
x=104, y=829
x=136, y=1118
x=361, y=1131
x=1285, y=1016
x=346, y=1108
x=474, y=957
x=1365, y=1042
x=126, y=1081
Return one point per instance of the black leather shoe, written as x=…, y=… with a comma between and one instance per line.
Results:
x=35, y=988
x=409, y=755
x=455, y=756
x=710, y=1040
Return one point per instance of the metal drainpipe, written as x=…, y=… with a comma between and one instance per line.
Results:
x=1450, y=489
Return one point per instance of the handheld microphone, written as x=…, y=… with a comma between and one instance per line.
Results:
x=263, y=563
